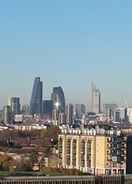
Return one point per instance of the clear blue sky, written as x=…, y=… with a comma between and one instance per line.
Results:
x=68, y=43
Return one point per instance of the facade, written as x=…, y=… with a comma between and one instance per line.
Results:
x=95, y=152
x=109, y=110
x=96, y=100
x=129, y=114
x=47, y=107
x=36, y=98
x=129, y=154
x=61, y=118
x=69, y=114
x=25, y=109
x=58, y=100
x=80, y=110
x=15, y=105
x=7, y=114
x=120, y=114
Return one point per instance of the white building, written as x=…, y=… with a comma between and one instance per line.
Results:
x=129, y=114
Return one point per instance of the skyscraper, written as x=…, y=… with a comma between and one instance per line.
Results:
x=15, y=105
x=47, y=107
x=80, y=110
x=109, y=110
x=96, y=100
x=36, y=98
x=58, y=100
x=7, y=114
x=69, y=113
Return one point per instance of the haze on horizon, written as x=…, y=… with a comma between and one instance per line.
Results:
x=68, y=44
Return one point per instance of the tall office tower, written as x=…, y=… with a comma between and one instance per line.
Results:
x=15, y=105
x=7, y=114
x=80, y=110
x=47, y=108
x=36, y=98
x=58, y=100
x=96, y=100
x=109, y=110
x=69, y=114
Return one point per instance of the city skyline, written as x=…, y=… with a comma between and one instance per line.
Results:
x=68, y=44
x=25, y=100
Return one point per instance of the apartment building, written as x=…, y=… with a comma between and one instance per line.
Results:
x=93, y=151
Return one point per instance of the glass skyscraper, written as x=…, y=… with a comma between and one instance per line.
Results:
x=58, y=99
x=47, y=106
x=15, y=105
x=96, y=100
x=36, y=98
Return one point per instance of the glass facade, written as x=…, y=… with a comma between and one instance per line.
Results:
x=15, y=105
x=36, y=98
x=58, y=97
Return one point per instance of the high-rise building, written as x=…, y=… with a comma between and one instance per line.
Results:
x=36, y=98
x=58, y=99
x=47, y=107
x=109, y=110
x=15, y=105
x=69, y=113
x=96, y=100
x=80, y=110
x=7, y=114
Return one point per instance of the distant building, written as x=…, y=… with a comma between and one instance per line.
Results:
x=80, y=110
x=36, y=98
x=129, y=114
x=25, y=109
x=47, y=108
x=1, y=115
x=62, y=118
x=58, y=99
x=109, y=110
x=120, y=114
x=15, y=105
x=96, y=100
x=19, y=118
x=7, y=114
x=69, y=113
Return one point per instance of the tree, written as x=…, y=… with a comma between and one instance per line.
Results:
x=5, y=162
x=34, y=156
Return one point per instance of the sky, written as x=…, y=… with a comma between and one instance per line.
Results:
x=67, y=43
